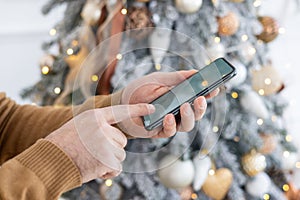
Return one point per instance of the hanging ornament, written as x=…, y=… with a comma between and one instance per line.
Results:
x=110, y=190
x=266, y=80
x=139, y=18
x=228, y=25
x=46, y=64
x=270, y=29
x=241, y=73
x=215, y=50
x=269, y=143
x=253, y=103
x=91, y=12
x=159, y=42
x=259, y=185
x=253, y=163
x=176, y=173
x=201, y=165
x=218, y=183
x=289, y=160
x=188, y=6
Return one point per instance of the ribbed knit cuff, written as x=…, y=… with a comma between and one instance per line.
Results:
x=54, y=168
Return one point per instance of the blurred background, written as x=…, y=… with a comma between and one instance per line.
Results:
x=23, y=29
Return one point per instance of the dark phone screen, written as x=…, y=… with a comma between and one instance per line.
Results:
x=188, y=89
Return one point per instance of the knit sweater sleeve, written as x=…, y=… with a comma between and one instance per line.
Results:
x=22, y=125
x=37, y=168
x=42, y=171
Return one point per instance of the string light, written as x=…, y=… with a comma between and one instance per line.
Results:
x=268, y=81
x=281, y=30
x=57, y=90
x=261, y=92
x=194, y=196
x=286, y=154
x=119, y=56
x=286, y=187
x=215, y=129
x=298, y=165
x=157, y=66
x=108, y=182
x=95, y=78
x=288, y=138
x=274, y=118
x=75, y=43
x=52, y=32
x=252, y=50
x=245, y=38
x=260, y=42
x=45, y=70
x=234, y=95
x=217, y=39
x=211, y=172
x=70, y=51
x=266, y=197
x=124, y=11
x=260, y=121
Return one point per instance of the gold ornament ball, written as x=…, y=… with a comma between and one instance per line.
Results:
x=266, y=80
x=228, y=25
x=270, y=29
x=217, y=184
x=253, y=163
x=269, y=143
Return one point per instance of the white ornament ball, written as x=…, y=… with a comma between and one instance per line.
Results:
x=289, y=160
x=253, y=103
x=215, y=50
x=259, y=185
x=91, y=13
x=188, y=6
x=202, y=165
x=175, y=173
x=241, y=74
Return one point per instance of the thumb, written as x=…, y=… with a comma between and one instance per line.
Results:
x=172, y=78
x=115, y=114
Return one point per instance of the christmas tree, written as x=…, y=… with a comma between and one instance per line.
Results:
x=239, y=150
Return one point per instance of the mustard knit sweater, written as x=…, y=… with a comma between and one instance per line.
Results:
x=31, y=167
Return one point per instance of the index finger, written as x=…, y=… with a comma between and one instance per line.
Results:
x=115, y=114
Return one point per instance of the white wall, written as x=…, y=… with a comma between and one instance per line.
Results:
x=22, y=30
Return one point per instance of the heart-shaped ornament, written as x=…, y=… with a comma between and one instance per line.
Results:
x=217, y=183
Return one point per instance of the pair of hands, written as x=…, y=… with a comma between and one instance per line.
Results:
x=97, y=147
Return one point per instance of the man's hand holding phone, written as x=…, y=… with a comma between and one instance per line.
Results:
x=149, y=88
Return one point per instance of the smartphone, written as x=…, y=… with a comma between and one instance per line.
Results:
x=201, y=83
